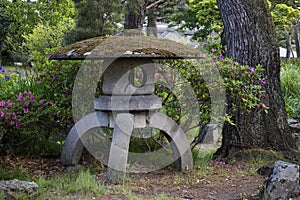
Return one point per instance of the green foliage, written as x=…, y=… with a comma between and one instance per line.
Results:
x=37, y=110
x=45, y=37
x=244, y=84
x=4, y=21
x=25, y=16
x=290, y=85
x=284, y=16
x=95, y=18
x=202, y=15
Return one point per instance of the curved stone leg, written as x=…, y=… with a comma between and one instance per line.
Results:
x=119, y=148
x=73, y=146
x=179, y=144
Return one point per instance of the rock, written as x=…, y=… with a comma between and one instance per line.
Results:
x=294, y=125
x=11, y=186
x=265, y=171
x=283, y=183
x=292, y=121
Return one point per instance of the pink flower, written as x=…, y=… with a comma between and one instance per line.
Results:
x=42, y=101
x=25, y=110
x=251, y=69
x=213, y=50
x=2, y=103
x=26, y=103
x=18, y=124
x=32, y=97
x=157, y=75
x=221, y=57
x=2, y=113
x=240, y=166
x=20, y=97
x=29, y=93
x=262, y=81
x=9, y=103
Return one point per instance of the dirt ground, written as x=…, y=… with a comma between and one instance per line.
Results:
x=215, y=182
x=176, y=185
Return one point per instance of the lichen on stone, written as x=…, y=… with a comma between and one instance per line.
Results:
x=119, y=46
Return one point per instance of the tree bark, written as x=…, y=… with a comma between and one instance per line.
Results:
x=296, y=38
x=134, y=19
x=251, y=40
x=288, y=47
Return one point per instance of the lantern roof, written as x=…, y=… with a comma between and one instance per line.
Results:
x=127, y=46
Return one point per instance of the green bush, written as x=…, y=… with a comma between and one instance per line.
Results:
x=290, y=84
x=36, y=112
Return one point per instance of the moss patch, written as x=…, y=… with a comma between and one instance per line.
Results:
x=126, y=46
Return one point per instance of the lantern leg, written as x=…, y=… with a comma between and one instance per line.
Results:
x=118, y=154
x=73, y=145
x=180, y=146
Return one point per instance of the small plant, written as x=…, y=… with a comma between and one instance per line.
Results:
x=81, y=183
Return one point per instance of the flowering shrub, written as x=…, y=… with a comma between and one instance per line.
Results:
x=27, y=118
x=244, y=85
x=36, y=111
x=14, y=113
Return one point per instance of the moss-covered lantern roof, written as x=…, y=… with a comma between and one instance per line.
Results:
x=125, y=46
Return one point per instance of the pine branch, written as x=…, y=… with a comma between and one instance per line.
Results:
x=154, y=4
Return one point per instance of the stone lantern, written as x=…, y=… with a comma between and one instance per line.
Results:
x=124, y=105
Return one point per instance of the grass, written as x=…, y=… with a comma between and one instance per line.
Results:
x=82, y=184
x=290, y=84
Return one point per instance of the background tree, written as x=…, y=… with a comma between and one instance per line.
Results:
x=25, y=15
x=95, y=18
x=251, y=40
x=201, y=15
x=286, y=23
x=4, y=22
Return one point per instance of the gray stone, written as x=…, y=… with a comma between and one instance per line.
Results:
x=295, y=127
x=119, y=148
x=118, y=78
x=11, y=186
x=283, y=182
x=211, y=136
x=292, y=121
x=180, y=145
x=73, y=146
x=128, y=103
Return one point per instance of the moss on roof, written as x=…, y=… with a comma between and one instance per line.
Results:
x=126, y=46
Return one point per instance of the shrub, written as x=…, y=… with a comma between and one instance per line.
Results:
x=43, y=117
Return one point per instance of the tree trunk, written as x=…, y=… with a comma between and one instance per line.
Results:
x=296, y=38
x=151, y=27
x=288, y=47
x=251, y=40
x=135, y=16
